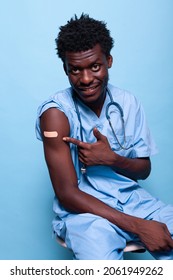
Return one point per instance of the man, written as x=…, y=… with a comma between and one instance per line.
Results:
x=96, y=152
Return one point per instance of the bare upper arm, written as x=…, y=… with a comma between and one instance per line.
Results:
x=57, y=152
x=55, y=120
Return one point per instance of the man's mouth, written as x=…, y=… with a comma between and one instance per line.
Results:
x=89, y=90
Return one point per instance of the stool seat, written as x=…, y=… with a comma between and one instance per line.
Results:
x=130, y=246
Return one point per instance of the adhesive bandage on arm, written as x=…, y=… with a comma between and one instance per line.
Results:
x=50, y=134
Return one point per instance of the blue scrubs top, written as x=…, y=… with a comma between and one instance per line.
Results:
x=103, y=182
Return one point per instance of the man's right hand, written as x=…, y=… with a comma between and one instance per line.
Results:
x=155, y=236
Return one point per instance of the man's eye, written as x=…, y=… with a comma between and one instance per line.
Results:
x=75, y=71
x=96, y=67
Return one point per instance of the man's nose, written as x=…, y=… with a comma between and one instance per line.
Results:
x=86, y=77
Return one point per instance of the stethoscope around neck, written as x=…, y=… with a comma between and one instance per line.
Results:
x=122, y=146
x=113, y=103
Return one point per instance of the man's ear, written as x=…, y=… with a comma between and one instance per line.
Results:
x=109, y=61
x=65, y=69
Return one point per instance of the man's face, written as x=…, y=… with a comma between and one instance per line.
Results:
x=88, y=74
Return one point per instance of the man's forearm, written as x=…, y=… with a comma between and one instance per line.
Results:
x=81, y=202
x=134, y=168
x=154, y=235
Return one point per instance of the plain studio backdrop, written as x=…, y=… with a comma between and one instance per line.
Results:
x=31, y=71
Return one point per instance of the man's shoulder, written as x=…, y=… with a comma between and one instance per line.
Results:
x=119, y=92
x=62, y=100
x=59, y=97
x=64, y=94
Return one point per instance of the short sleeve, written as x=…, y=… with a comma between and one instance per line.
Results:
x=41, y=109
x=144, y=144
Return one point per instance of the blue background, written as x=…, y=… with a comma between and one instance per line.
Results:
x=31, y=71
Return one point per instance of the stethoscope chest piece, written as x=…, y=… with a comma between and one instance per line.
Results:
x=83, y=169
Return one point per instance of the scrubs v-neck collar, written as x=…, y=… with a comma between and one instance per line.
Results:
x=91, y=113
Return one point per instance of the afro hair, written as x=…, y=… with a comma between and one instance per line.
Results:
x=82, y=34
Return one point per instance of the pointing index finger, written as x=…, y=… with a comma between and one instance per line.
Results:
x=73, y=141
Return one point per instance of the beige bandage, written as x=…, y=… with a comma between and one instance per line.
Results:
x=51, y=134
